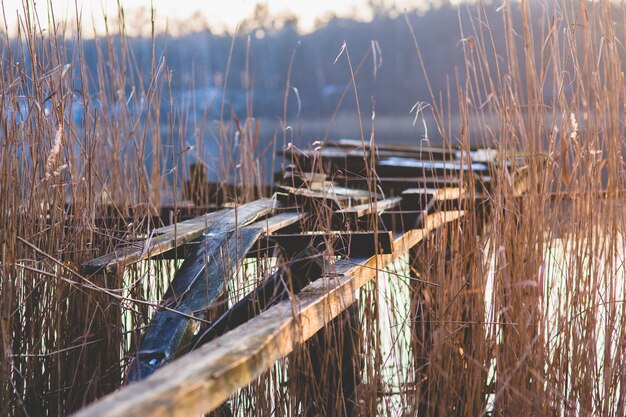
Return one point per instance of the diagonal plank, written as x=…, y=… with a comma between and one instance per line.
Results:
x=169, y=237
x=196, y=286
x=202, y=380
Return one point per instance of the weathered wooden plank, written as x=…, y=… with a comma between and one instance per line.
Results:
x=420, y=150
x=195, y=287
x=361, y=215
x=268, y=226
x=397, y=184
x=352, y=244
x=335, y=197
x=202, y=380
x=369, y=208
x=168, y=237
x=305, y=267
x=429, y=199
x=409, y=167
x=335, y=160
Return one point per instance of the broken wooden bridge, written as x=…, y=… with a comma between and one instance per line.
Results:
x=337, y=216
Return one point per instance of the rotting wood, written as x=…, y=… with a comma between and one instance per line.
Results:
x=305, y=267
x=431, y=199
x=167, y=238
x=335, y=197
x=195, y=287
x=268, y=226
x=354, y=217
x=202, y=380
x=352, y=244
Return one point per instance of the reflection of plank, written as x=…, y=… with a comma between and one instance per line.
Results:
x=202, y=380
x=169, y=237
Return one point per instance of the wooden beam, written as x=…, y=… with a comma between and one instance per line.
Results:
x=267, y=226
x=169, y=237
x=353, y=244
x=362, y=215
x=331, y=198
x=202, y=380
x=427, y=151
x=196, y=287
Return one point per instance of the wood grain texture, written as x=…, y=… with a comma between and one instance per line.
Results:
x=200, y=381
x=169, y=237
x=197, y=286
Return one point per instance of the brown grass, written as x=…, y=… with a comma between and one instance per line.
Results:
x=527, y=314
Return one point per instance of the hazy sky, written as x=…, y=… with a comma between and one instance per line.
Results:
x=219, y=14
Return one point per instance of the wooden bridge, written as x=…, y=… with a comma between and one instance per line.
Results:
x=337, y=216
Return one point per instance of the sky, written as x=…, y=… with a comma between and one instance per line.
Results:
x=220, y=15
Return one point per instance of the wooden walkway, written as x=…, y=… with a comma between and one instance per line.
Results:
x=338, y=215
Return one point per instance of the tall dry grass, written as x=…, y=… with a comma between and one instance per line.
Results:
x=82, y=144
x=526, y=315
x=550, y=264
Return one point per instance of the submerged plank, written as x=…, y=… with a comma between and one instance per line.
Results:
x=167, y=238
x=200, y=381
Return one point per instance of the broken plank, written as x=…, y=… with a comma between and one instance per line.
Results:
x=335, y=197
x=306, y=266
x=352, y=244
x=166, y=238
x=202, y=380
x=430, y=199
x=196, y=286
x=268, y=226
x=362, y=215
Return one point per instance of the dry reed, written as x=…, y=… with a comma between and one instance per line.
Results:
x=527, y=314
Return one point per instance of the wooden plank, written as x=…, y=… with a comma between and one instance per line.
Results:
x=352, y=244
x=306, y=266
x=336, y=160
x=412, y=149
x=268, y=226
x=196, y=286
x=395, y=185
x=408, y=167
x=361, y=216
x=431, y=199
x=202, y=380
x=168, y=237
x=369, y=208
x=335, y=197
